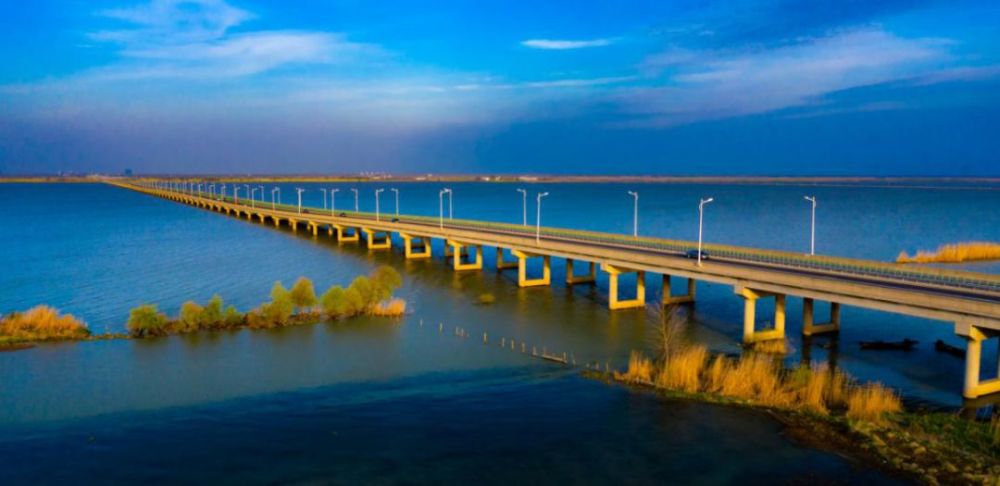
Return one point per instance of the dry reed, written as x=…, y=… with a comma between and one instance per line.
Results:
x=640, y=369
x=954, y=253
x=871, y=402
x=42, y=323
x=392, y=308
x=682, y=370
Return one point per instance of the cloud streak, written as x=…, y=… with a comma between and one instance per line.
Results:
x=561, y=45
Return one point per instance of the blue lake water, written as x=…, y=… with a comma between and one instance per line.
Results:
x=406, y=400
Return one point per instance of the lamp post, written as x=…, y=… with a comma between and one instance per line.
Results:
x=524, y=207
x=355, y=199
x=441, y=206
x=333, y=200
x=261, y=193
x=635, y=214
x=377, y=192
x=396, y=191
x=538, y=218
x=324, y=197
x=701, y=214
x=274, y=190
x=236, y=193
x=211, y=190
x=253, y=202
x=300, y=191
x=812, y=233
x=222, y=192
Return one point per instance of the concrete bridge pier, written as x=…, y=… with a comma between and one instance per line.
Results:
x=640, y=288
x=810, y=328
x=668, y=299
x=261, y=217
x=314, y=227
x=374, y=242
x=522, y=269
x=750, y=333
x=502, y=264
x=424, y=245
x=573, y=279
x=975, y=386
x=456, y=255
x=346, y=234
x=449, y=250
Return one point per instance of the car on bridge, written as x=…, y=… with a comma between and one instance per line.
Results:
x=693, y=254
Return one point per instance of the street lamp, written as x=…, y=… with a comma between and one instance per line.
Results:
x=635, y=214
x=397, y=200
x=355, y=199
x=222, y=192
x=236, y=193
x=211, y=190
x=274, y=190
x=701, y=214
x=324, y=197
x=538, y=218
x=377, y=192
x=261, y=193
x=253, y=203
x=333, y=200
x=524, y=207
x=812, y=235
x=300, y=191
x=441, y=206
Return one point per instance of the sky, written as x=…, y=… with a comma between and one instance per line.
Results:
x=740, y=87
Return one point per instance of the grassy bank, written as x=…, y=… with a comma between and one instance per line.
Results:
x=954, y=253
x=867, y=420
x=366, y=295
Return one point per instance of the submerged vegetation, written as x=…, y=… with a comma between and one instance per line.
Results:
x=954, y=253
x=40, y=323
x=366, y=295
x=821, y=401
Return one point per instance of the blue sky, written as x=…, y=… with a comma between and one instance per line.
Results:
x=742, y=87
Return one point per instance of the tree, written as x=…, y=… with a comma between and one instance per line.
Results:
x=303, y=295
x=355, y=302
x=147, y=321
x=191, y=315
x=334, y=301
x=211, y=315
x=232, y=317
x=366, y=293
x=279, y=310
x=385, y=280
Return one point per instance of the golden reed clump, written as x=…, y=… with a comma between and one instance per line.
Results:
x=42, y=323
x=393, y=308
x=954, y=253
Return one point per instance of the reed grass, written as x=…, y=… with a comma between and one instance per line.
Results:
x=41, y=323
x=640, y=369
x=871, y=402
x=954, y=253
x=392, y=308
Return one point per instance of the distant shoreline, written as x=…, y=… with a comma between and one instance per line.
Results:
x=853, y=181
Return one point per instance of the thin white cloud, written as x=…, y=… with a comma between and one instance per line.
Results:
x=565, y=44
x=704, y=85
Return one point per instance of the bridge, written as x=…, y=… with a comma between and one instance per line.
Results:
x=968, y=301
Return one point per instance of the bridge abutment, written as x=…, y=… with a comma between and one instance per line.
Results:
x=974, y=386
x=614, y=303
x=573, y=279
x=668, y=299
x=750, y=332
x=522, y=269
x=810, y=328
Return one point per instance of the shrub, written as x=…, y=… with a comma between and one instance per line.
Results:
x=232, y=318
x=191, y=315
x=147, y=321
x=303, y=295
x=41, y=323
x=385, y=280
x=392, y=308
x=280, y=309
x=355, y=302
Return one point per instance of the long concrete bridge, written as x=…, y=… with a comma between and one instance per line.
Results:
x=968, y=301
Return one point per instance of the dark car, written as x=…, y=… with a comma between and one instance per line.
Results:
x=305, y=211
x=395, y=220
x=342, y=215
x=694, y=254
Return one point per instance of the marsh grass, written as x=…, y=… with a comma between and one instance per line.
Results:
x=41, y=323
x=954, y=253
x=391, y=308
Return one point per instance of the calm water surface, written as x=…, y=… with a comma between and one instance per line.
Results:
x=407, y=400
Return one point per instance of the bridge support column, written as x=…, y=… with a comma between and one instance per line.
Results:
x=373, y=241
x=424, y=245
x=810, y=328
x=640, y=288
x=259, y=216
x=294, y=224
x=456, y=255
x=343, y=236
x=678, y=299
x=501, y=263
x=449, y=249
x=573, y=279
x=277, y=221
x=750, y=333
x=974, y=386
x=314, y=227
x=522, y=270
